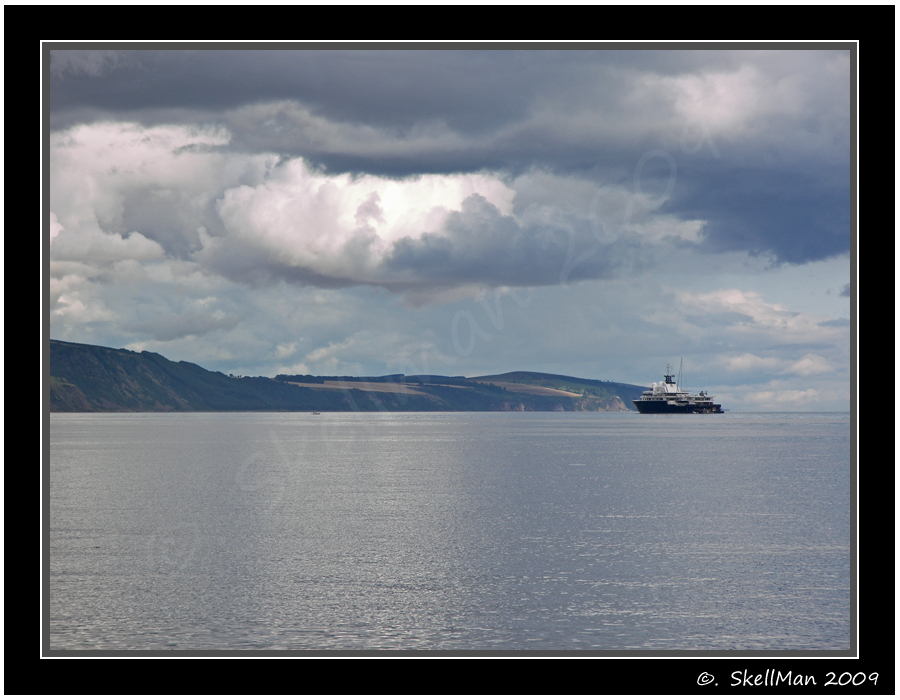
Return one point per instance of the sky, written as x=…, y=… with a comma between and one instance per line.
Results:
x=594, y=213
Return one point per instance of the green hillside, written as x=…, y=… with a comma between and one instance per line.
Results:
x=589, y=387
x=86, y=378
x=94, y=378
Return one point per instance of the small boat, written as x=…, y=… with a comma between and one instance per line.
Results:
x=315, y=413
x=667, y=397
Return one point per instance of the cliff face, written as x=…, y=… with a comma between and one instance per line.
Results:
x=94, y=378
x=614, y=404
x=602, y=405
x=91, y=378
x=67, y=397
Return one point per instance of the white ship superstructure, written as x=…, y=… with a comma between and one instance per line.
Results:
x=668, y=397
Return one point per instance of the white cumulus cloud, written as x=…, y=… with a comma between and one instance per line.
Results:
x=810, y=365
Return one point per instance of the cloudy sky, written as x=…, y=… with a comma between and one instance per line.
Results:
x=463, y=212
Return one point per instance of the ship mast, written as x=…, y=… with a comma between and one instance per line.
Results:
x=680, y=368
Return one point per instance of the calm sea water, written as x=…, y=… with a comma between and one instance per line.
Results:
x=472, y=531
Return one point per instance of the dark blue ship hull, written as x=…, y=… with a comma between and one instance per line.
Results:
x=665, y=407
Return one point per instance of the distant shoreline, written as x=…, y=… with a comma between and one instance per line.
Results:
x=92, y=378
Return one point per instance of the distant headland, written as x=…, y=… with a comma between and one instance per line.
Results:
x=92, y=378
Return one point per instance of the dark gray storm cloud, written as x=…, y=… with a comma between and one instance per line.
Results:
x=793, y=216
x=756, y=144
x=469, y=90
x=479, y=245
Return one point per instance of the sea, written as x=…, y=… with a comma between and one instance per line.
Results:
x=487, y=532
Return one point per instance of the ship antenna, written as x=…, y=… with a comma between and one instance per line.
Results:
x=680, y=368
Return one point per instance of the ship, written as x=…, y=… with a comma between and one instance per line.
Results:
x=668, y=397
